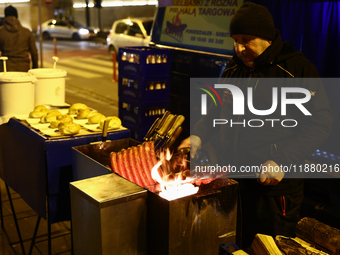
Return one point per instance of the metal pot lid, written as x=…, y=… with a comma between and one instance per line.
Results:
x=48, y=72
x=16, y=77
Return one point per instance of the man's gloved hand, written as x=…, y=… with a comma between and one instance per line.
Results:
x=271, y=174
x=194, y=142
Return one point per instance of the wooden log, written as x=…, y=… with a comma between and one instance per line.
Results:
x=323, y=236
x=296, y=246
x=264, y=245
x=240, y=252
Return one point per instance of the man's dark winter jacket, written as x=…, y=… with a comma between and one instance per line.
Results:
x=253, y=146
x=16, y=43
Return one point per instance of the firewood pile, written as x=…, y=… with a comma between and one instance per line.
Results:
x=312, y=238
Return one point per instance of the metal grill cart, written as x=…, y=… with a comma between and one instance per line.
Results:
x=143, y=87
x=39, y=167
x=110, y=213
x=187, y=41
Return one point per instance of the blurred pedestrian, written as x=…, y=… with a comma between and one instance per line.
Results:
x=17, y=43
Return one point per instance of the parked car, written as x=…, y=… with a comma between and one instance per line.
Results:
x=65, y=29
x=129, y=32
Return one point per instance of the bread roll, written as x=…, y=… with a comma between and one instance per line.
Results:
x=39, y=111
x=68, y=128
x=114, y=123
x=61, y=118
x=91, y=114
x=73, y=110
x=83, y=113
x=50, y=116
x=96, y=118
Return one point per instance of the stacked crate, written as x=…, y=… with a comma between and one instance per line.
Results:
x=143, y=87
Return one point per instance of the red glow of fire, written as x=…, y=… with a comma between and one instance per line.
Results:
x=175, y=188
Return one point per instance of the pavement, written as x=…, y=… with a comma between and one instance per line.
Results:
x=9, y=240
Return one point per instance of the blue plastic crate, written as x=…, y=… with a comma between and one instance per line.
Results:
x=144, y=89
x=140, y=116
x=144, y=61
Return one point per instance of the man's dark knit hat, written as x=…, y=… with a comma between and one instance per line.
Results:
x=253, y=19
x=11, y=11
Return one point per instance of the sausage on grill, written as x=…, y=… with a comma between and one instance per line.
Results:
x=146, y=166
x=132, y=163
x=113, y=160
x=129, y=174
x=120, y=164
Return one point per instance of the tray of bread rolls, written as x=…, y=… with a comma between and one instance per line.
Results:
x=77, y=119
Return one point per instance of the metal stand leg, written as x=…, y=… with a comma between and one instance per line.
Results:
x=72, y=251
x=34, y=235
x=15, y=219
x=49, y=238
x=1, y=213
x=49, y=235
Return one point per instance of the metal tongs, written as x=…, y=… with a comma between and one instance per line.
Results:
x=164, y=131
x=105, y=130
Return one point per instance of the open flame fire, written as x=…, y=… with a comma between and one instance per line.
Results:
x=174, y=187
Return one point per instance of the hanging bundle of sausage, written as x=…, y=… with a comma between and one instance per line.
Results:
x=136, y=162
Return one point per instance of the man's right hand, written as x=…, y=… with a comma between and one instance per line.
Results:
x=193, y=142
x=271, y=174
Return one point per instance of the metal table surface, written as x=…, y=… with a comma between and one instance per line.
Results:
x=39, y=169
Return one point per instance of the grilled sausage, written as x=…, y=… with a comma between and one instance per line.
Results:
x=121, y=166
x=133, y=168
x=139, y=167
x=129, y=174
x=145, y=165
x=113, y=160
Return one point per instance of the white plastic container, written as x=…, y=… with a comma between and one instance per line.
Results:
x=16, y=93
x=50, y=88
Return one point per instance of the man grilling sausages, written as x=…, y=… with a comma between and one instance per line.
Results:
x=271, y=204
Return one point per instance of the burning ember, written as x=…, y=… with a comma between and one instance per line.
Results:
x=139, y=164
x=172, y=185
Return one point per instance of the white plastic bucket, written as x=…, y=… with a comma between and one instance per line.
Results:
x=50, y=88
x=16, y=93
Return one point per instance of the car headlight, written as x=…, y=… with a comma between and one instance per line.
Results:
x=83, y=31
